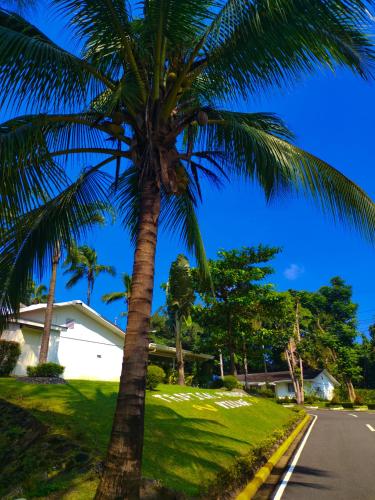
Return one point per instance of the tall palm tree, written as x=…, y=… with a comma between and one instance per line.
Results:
x=83, y=264
x=180, y=300
x=152, y=92
x=108, y=298
x=93, y=217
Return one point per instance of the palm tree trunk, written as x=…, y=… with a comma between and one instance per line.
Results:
x=43, y=353
x=179, y=354
x=89, y=288
x=122, y=468
x=232, y=361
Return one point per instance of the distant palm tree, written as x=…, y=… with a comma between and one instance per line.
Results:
x=180, y=300
x=108, y=298
x=83, y=264
x=38, y=293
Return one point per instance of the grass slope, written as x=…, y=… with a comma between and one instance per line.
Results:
x=187, y=442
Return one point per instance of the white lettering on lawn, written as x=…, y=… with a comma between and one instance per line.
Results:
x=201, y=396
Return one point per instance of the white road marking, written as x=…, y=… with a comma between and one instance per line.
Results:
x=370, y=427
x=289, y=472
x=352, y=415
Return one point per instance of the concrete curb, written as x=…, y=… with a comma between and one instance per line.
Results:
x=262, y=475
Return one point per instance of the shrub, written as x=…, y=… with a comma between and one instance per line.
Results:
x=216, y=384
x=359, y=400
x=371, y=406
x=189, y=380
x=230, y=382
x=368, y=395
x=347, y=404
x=9, y=354
x=286, y=400
x=155, y=376
x=45, y=370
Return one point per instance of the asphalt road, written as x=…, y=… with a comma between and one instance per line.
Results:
x=338, y=459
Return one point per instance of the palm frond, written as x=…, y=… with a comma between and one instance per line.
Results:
x=253, y=45
x=34, y=71
x=28, y=245
x=109, y=298
x=257, y=148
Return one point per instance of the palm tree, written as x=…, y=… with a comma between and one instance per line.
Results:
x=83, y=264
x=38, y=294
x=93, y=217
x=180, y=300
x=151, y=92
x=108, y=298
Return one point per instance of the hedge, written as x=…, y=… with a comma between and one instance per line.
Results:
x=9, y=354
x=45, y=370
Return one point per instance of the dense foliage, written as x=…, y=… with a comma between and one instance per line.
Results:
x=155, y=376
x=46, y=370
x=9, y=354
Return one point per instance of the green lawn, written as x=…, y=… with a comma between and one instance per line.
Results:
x=187, y=442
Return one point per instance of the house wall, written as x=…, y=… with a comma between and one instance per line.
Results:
x=321, y=386
x=88, y=350
x=282, y=391
x=29, y=340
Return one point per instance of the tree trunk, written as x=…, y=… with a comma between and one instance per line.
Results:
x=122, y=469
x=44, y=346
x=89, y=288
x=232, y=362
x=351, y=390
x=300, y=361
x=221, y=364
x=179, y=354
x=245, y=365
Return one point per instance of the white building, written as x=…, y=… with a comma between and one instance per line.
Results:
x=88, y=345
x=318, y=382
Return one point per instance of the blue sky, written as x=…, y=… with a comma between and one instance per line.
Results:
x=333, y=117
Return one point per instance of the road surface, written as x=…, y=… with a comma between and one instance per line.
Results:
x=337, y=461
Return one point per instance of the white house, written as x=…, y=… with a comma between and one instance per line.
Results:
x=318, y=382
x=88, y=345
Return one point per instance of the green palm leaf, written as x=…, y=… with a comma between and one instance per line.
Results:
x=27, y=246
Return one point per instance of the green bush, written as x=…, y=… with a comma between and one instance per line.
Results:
x=230, y=382
x=9, y=354
x=155, y=376
x=286, y=400
x=359, y=401
x=371, y=406
x=347, y=404
x=45, y=370
x=216, y=384
x=368, y=395
x=189, y=380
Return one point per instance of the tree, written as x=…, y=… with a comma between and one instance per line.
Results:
x=94, y=216
x=331, y=341
x=234, y=306
x=38, y=294
x=125, y=295
x=83, y=264
x=145, y=92
x=180, y=300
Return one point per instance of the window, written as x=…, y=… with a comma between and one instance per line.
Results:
x=69, y=323
x=290, y=388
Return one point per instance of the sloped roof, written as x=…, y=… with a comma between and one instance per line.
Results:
x=78, y=304
x=154, y=349
x=282, y=376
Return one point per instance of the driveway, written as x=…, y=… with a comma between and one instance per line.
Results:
x=337, y=461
